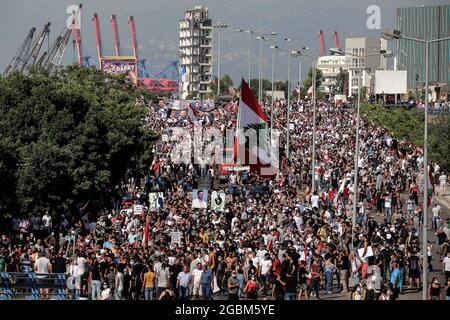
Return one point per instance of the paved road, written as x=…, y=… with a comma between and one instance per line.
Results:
x=411, y=294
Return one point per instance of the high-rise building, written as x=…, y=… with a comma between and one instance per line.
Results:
x=364, y=46
x=425, y=22
x=330, y=67
x=196, y=52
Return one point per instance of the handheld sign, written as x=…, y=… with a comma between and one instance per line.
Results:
x=175, y=237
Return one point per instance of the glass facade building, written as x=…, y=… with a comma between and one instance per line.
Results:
x=426, y=22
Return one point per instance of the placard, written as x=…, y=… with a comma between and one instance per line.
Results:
x=175, y=237
x=138, y=209
x=369, y=252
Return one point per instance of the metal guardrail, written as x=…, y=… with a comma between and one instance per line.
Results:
x=28, y=286
x=439, y=112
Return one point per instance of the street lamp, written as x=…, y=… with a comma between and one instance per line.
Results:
x=391, y=34
x=274, y=47
x=180, y=72
x=250, y=32
x=291, y=53
x=385, y=53
x=262, y=37
x=313, y=164
x=219, y=26
x=300, y=74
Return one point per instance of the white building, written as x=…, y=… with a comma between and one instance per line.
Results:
x=364, y=46
x=330, y=67
x=195, y=50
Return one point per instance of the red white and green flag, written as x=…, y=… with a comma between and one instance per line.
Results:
x=253, y=147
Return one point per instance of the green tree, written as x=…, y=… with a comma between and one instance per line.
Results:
x=68, y=137
x=254, y=85
x=225, y=83
x=308, y=80
x=192, y=95
x=409, y=125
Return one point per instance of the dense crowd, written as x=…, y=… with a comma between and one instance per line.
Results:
x=273, y=237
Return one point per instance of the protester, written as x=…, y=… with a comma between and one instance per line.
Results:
x=157, y=238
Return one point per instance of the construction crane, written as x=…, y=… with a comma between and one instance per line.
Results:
x=78, y=44
x=31, y=59
x=116, y=34
x=57, y=50
x=133, y=36
x=169, y=72
x=78, y=47
x=98, y=39
x=21, y=54
x=41, y=59
x=45, y=62
x=55, y=61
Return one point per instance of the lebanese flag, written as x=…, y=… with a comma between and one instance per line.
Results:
x=146, y=233
x=229, y=105
x=192, y=114
x=235, y=107
x=258, y=153
x=310, y=91
x=296, y=91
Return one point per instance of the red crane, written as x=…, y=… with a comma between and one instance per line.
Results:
x=322, y=43
x=116, y=34
x=134, y=42
x=336, y=39
x=78, y=47
x=133, y=36
x=98, y=38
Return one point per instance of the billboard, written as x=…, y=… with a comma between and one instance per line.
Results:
x=120, y=65
x=391, y=82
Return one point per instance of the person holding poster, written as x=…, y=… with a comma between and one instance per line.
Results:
x=217, y=201
x=156, y=201
x=199, y=199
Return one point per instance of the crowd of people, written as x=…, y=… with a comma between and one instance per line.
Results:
x=273, y=238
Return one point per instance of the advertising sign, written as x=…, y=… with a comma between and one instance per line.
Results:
x=120, y=65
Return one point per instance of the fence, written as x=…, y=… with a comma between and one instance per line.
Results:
x=31, y=286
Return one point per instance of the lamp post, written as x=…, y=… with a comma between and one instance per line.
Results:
x=386, y=53
x=313, y=164
x=291, y=53
x=262, y=37
x=180, y=77
x=274, y=47
x=250, y=32
x=390, y=34
x=299, y=79
x=218, y=26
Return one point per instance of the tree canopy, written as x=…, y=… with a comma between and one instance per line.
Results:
x=409, y=125
x=67, y=138
x=308, y=81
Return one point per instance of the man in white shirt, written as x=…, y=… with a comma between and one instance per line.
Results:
x=261, y=253
x=43, y=265
x=446, y=263
x=387, y=208
x=436, y=215
x=315, y=200
x=266, y=266
x=47, y=221
x=199, y=202
x=443, y=183
x=197, y=287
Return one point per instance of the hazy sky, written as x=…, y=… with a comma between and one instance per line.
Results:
x=157, y=26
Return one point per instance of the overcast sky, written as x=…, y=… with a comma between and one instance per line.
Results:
x=157, y=26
